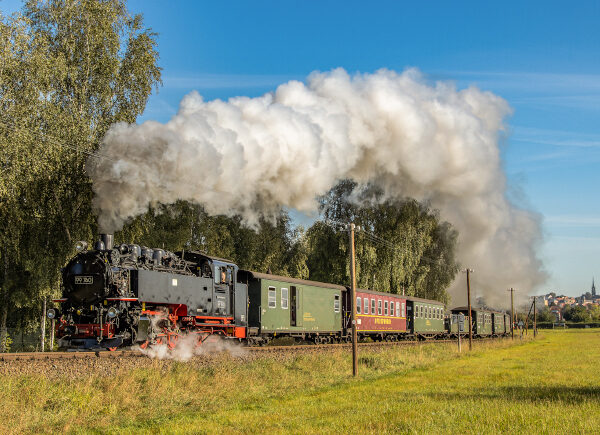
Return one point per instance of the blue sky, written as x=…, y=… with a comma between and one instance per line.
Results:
x=543, y=57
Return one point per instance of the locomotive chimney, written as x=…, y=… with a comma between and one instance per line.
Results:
x=107, y=239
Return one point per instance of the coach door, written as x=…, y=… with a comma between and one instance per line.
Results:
x=295, y=306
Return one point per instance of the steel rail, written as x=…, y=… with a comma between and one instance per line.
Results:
x=75, y=355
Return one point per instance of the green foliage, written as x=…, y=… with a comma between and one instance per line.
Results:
x=416, y=255
x=577, y=314
x=544, y=315
x=69, y=70
x=273, y=245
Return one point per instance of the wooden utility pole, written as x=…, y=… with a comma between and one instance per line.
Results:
x=512, y=313
x=353, y=301
x=534, y=317
x=469, y=271
x=52, y=326
x=43, y=324
x=458, y=329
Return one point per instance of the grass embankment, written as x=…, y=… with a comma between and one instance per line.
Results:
x=546, y=386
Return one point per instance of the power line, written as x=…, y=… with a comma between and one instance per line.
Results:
x=374, y=238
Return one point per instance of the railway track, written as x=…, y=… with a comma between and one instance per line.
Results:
x=25, y=356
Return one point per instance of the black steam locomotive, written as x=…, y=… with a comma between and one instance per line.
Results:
x=121, y=295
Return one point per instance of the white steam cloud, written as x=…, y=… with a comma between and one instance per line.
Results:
x=187, y=347
x=250, y=156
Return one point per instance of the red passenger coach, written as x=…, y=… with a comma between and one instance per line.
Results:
x=381, y=316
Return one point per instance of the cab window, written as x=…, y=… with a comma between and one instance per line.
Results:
x=336, y=303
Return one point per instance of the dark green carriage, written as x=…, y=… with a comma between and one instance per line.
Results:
x=282, y=306
x=425, y=317
x=482, y=320
x=507, y=325
x=454, y=323
x=483, y=323
x=499, y=327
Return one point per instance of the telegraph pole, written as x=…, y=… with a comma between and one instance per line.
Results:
x=43, y=325
x=512, y=313
x=534, y=318
x=353, y=301
x=469, y=271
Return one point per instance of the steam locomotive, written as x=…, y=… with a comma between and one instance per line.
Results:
x=123, y=295
x=115, y=296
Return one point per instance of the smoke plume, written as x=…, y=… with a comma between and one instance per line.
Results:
x=250, y=156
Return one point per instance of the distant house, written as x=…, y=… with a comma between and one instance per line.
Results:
x=556, y=311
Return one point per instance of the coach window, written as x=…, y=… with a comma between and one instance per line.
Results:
x=272, y=297
x=379, y=307
x=284, y=298
x=372, y=306
x=397, y=309
x=366, y=305
x=392, y=312
x=403, y=309
x=385, y=308
x=358, y=305
x=336, y=303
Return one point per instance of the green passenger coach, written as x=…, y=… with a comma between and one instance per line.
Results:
x=425, y=317
x=283, y=306
x=482, y=320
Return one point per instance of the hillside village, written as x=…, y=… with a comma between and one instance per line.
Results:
x=578, y=309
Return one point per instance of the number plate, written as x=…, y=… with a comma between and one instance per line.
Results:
x=84, y=280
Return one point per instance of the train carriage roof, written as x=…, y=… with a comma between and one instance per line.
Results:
x=375, y=292
x=249, y=274
x=427, y=301
x=477, y=309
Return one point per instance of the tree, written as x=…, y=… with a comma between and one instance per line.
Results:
x=69, y=69
x=544, y=315
x=402, y=245
x=272, y=245
x=577, y=314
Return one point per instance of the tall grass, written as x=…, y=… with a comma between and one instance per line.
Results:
x=407, y=388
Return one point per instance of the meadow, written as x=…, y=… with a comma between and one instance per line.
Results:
x=547, y=385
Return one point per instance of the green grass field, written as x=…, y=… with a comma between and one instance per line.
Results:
x=550, y=385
